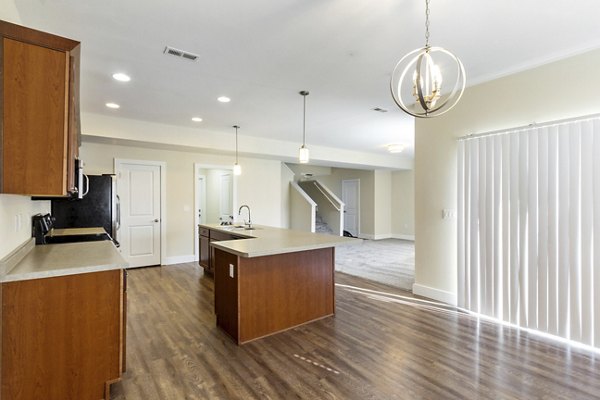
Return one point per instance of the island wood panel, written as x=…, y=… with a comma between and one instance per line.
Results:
x=226, y=298
x=274, y=293
x=61, y=336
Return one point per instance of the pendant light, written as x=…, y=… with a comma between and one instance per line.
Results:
x=303, y=155
x=416, y=82
x=237, y=168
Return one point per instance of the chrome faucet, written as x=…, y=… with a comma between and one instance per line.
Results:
x=249, y=223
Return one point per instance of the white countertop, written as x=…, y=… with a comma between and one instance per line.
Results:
x=50, y=260
x=266, y=240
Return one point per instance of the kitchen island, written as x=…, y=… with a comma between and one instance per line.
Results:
x=272, y=279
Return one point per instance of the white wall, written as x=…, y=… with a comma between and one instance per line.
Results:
x=287, y=176
x=258, y=186
x=403, y=204
x=382, y=198
x=9, y=12
x=14, y=207
x=563, y=89
x=302, y=210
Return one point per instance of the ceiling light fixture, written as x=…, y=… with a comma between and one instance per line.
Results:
x=112, y=105
x=121, y=77
x=304, y=155
x=395, y=147
x=196, y=119
x=237, y=168
x=425, y=81
x=224, y=99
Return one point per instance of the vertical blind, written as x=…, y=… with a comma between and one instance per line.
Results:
x=529, y=228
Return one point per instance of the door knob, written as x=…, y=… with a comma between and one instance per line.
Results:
x=156, y=220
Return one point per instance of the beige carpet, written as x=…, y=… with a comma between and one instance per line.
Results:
x=389, y=261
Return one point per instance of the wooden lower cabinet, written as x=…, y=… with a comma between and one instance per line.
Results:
x=259, y=296
x=207, y=253
x=63, y=337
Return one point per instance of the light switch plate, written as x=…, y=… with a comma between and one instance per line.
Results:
x=231, y=270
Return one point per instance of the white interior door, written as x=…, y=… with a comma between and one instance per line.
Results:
x=225, y=198
x=139, y=187
x=351, y=199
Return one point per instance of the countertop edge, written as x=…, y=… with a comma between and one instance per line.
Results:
x=61, y=272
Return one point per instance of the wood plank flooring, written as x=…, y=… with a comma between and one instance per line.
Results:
x=378, y=346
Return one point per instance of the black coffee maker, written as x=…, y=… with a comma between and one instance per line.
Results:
x=41, y=225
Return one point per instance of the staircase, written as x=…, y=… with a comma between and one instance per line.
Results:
x=321, y=226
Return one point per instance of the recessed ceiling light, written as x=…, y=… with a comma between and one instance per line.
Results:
x=121, y=77
x=395, y=147
x=197, y=119
x=224, y=99
x=113, y=105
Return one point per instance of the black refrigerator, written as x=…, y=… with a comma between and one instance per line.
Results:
x=98, y=208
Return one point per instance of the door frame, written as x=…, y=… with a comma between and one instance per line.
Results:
x=198, y=166
x=358, y=233
x=197, y=177
x=163, y=197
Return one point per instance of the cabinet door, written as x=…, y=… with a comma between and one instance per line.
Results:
x=35, y=126
x=204, y=252
x=61, y=336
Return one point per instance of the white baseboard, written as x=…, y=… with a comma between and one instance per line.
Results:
x=435, y=294
x=179, y=259
x=403, y=237
x=374, y=237
x=386, y=236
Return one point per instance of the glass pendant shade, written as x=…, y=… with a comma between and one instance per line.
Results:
x=303, y=155
x=237, y=169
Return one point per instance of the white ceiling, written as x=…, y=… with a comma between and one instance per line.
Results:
x=262, y=52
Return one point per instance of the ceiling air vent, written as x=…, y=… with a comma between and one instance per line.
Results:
x=379, y=109
x=180, y=53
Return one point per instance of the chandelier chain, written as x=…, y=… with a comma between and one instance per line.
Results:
x=426, y=23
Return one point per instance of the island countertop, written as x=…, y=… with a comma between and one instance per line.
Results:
x=45, y=261
x=266, y=240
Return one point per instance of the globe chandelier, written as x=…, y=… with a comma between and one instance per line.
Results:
x=418, y=85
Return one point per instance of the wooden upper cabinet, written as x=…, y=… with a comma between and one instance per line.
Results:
x=40, y=112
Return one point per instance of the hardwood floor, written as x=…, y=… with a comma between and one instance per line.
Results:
x=378, y=346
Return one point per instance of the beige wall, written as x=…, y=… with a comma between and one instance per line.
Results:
x=403, y=204
x=14, y=207
x=9, y=12
x=258, y=186
x=382, y=199
x=563, y=89
x=287, y=176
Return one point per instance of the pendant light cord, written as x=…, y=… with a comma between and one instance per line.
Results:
x=426, y=23
x=236, y=143
x=304, y=123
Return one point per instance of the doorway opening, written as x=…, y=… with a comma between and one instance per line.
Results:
x=215, y=193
